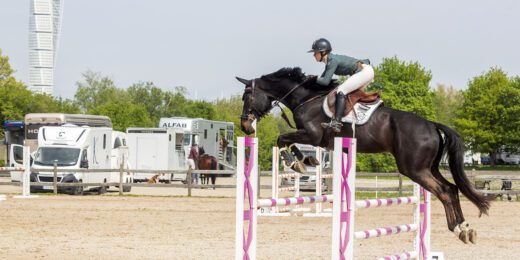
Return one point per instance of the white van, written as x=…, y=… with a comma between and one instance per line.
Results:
x=73, y=147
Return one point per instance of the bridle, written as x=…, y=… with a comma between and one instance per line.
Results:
x=250, y=116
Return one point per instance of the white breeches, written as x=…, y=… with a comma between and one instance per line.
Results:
x=191, y=163
x=358, y=80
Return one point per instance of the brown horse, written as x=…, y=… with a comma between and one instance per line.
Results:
x=207, y=162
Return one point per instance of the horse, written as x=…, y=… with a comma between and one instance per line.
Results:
x=207, y=162
x=416, y=143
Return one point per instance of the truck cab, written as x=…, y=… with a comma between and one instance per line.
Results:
x=72, y=147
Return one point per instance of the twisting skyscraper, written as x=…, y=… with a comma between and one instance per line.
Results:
x=44, y=31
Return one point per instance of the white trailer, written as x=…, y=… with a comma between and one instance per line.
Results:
x=209, y=135
x=73, y=147
x=120, y=157
x=156, y=149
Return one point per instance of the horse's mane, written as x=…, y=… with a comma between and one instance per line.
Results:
x=295, y=74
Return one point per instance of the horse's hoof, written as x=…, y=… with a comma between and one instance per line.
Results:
x=463, y=236
x=311, y=161
x=314, y=161
x=298, y=167
x=472, y=233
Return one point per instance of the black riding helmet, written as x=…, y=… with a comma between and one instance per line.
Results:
x=321, y=45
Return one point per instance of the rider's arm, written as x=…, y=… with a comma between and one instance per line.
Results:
x=326, y=77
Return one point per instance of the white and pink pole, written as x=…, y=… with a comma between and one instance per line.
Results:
x=246, y=198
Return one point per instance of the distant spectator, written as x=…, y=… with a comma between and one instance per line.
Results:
x=192, y=158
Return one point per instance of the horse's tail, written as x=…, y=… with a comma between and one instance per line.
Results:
x=454, y=147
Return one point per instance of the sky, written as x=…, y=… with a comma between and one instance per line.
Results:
x=203, y=45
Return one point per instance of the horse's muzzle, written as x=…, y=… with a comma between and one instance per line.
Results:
x=246, y=124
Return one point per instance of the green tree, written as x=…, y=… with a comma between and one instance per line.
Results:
x=202, y=109
x=175, y=103
x=124, y=114
x=447, y=101
x=405, y=86
x=96, y=90
x=267, y=132
x=16, y=100
x=489, y=118
x=149, y=96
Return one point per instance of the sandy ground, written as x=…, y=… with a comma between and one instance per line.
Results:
x=146, y=227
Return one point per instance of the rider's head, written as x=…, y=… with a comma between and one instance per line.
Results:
x=321, y=48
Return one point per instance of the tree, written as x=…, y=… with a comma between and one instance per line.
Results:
x=96, y=90
x=202, y=109
x=16, y=100
x=405, y=86
x=150, y=97
x=124, y=114
x=489, y=118
x=174, y=103
x=447, y=101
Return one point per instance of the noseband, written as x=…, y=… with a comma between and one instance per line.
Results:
x=250, y=116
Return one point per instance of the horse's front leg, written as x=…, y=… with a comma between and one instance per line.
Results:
x=289, y=151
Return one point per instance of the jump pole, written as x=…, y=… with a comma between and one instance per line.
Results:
x=246, y=198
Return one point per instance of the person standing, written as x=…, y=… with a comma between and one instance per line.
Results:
x=192, y=158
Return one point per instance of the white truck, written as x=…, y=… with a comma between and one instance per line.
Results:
x=157, y=149
x=73, y=147
x=209, y=134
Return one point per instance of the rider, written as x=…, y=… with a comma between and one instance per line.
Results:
x=360, y=72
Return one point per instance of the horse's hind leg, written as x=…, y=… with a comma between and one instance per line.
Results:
x=445, y=194
x=462, y=227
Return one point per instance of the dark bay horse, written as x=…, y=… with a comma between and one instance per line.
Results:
x=417, y=144
x=207, y=162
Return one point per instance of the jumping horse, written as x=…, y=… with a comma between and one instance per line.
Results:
x=416, y=143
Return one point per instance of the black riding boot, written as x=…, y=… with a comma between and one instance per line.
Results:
x=335, y=123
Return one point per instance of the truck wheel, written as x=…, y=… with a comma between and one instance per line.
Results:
x=78, y=191
x=127, y=188
x=103, y=189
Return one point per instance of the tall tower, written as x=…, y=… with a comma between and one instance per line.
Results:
x=44, y=31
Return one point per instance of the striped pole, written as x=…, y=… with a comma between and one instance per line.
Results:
x=319, y=173
x=344, y=193
x=294, y=201
x=246, y=198
x=275, y=175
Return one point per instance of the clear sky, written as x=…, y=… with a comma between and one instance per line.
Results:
x=203, y=45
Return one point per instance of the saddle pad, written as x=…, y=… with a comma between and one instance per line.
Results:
x=363, y=111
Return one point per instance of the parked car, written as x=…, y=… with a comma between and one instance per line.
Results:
x=485, y=160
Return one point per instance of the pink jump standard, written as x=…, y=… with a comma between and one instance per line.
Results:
x=343, y=233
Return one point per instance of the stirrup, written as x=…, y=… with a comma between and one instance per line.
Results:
x=334, y=124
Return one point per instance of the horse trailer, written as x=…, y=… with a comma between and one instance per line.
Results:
x=215, y=137
x=156, y=149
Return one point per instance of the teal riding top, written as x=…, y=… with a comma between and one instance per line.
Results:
x=340, y=65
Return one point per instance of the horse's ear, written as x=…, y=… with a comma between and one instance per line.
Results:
x=244, y=81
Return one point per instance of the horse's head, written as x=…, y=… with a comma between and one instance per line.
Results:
x=261, y=92
x=257, y=103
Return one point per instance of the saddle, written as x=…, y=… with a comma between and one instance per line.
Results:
x=357, y=96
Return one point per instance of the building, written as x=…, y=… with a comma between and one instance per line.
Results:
x=44, y=32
